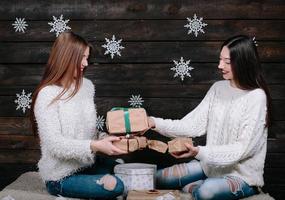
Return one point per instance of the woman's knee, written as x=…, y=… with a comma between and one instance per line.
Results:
x=120, y=186
x=205, y=191
x=112, y=183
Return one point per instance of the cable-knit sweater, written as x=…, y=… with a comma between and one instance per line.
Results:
x=234, y=121
x=66, y=128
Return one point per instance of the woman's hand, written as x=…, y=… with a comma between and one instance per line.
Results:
x=151, y=123
x=190, y=152
x=106, y=146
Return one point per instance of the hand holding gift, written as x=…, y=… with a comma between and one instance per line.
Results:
x=190, y=151
x=134, y=121
x=131, y=144
x=176, y=147
x=106, y=146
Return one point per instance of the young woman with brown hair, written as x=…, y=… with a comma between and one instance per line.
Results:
x=64, y=115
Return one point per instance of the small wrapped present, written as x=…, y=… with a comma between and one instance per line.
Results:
x=157, y=146
x=139, y=142
x=131, y=144
x=136, y=176
x=153, y=195
x=126, y=121
x=178, y=144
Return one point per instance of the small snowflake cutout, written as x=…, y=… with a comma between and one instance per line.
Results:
x=182, y=68
x=59, y=25
x=23, y=101
x=136, y=101
x=100, y=123
x=195, y=25
x=113, y=46
x=20, y=25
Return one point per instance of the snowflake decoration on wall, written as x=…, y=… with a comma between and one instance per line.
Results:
x=182, y=68
x=23, y=101
x=20, y=25
x=113, y=46
x=136, y=101
x=59, y=25
x=100, y=123
x=195, y=25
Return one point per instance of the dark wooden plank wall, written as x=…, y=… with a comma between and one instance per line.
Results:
x=153, y=35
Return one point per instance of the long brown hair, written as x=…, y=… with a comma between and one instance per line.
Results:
x=246, y=67
x=63, y=66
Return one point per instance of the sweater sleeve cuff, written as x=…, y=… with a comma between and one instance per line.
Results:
x=202, y=153
x=158, y=124
x=88, y=154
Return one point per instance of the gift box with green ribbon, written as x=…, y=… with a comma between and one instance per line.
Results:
x=125, y=121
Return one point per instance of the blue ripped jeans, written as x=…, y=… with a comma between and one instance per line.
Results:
x=191, y=178
x=94, y=182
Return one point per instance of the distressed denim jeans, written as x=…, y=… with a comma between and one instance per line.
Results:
x=191, y=178
x=94, y=182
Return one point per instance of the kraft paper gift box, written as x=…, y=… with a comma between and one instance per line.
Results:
x=157, y=146
x=153, y=195
x=127, y=120
x=132, y=144
x=178, y=144
x=136, y=176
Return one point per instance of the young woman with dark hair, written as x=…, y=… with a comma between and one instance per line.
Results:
x=64, y=116
x=235, y=115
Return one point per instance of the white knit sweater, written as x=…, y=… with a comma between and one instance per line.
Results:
x=234, y=121
x=66, y=128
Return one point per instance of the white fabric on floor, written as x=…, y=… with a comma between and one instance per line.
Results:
x=29, y=186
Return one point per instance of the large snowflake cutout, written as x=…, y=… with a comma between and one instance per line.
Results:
x=23, y=101
x=59, y=25
x=100, y=123
x=20, y=25
x=113, y=46
x=136, y=101
x=182, y=68
x=195, y=25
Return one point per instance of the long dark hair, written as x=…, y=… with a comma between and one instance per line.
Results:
x=65, y=59
x=246, y=67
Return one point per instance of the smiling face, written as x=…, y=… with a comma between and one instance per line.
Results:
x=225, y=65
x=84, y=62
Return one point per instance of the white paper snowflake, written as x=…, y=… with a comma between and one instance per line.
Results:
x=23, y=101
x=113, y=46
x=182, y=68
x=100, y=123
x=195, y=25
x=20, y=25
x=136, y=101
x=59, y=25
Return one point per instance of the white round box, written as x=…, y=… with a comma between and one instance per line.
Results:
x=136, y=176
